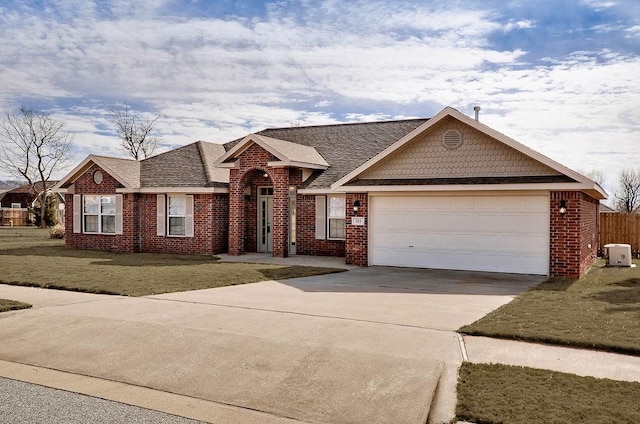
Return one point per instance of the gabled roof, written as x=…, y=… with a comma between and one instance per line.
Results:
x=125, y=171
x=581, y=182
x=288, y=153
x=343, y=146
x=186, y=166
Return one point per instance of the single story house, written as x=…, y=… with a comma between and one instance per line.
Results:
x=445, y=192
x=25, y=196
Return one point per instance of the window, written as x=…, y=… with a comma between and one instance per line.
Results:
x=16, y=206
x=99, y=214
x=336, y=216
x=177, y=215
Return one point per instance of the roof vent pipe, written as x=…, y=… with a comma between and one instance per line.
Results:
x=477, y=110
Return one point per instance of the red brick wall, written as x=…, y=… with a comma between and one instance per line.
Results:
x=139, y=219
x=210, y=227
x=357, y=243
x=126, y=242
x=574, y=235
x=242, y=212
x=306, y=242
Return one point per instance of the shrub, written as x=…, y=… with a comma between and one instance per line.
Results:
x=57, y=232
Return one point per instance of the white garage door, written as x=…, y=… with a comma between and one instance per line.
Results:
x=480, y=233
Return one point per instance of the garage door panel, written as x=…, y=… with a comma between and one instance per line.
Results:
x=484, y=233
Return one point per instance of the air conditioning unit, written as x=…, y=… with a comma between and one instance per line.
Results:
x=618, y=254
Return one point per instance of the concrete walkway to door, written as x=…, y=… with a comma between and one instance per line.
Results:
x=368, y=345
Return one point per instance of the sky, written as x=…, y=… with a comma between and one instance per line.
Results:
x=562, y=77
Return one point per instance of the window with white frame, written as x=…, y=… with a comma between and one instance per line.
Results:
x=16, y=206
x=336, y=212
x=99, y=214
x=176, y=215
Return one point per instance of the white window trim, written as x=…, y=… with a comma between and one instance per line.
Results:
x=13, y=206
x=329, y=218
x=188, y=216
x=99, y=214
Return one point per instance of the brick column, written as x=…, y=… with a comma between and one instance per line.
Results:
x=236, y=214
x=357, y=242
x=280, y=178
x=565, y=255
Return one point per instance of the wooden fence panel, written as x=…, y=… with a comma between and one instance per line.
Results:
x=620, y=228
x=14, y=217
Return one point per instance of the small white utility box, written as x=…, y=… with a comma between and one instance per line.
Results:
x=618, y=254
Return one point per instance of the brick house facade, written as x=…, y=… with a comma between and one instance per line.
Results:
x=350, y=190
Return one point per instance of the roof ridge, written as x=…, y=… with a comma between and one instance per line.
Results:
x=203, y=160
x=342, y=124
x=113, y=157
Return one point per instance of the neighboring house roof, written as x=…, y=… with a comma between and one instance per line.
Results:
x=187, y=166
x=24, y=194
x=606, y=209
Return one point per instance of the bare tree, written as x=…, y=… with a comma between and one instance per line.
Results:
x=34, y=147
x=595, y=174
x=628, y=195
x=135, y=131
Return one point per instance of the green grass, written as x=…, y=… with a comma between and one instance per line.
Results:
x=12, y=305
x=494, y=393
x=599, y=311
x=30, y=258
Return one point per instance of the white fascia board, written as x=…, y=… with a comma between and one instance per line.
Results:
x=465, y=187
x=449, y=111
x=229, y=165
x=244, y=145
x=288, y=163
x=395, y=146
x=190, y=190
x=75, y=172
x=236, y=150
x=84, y=165
x=314, y=191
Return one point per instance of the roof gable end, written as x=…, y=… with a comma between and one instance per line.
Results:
x=287, y=153
x=125, y=171
x=546, y=166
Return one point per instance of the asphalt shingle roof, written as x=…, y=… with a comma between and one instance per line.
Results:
x=187, y=166
x=343, y=146
x=127, y=170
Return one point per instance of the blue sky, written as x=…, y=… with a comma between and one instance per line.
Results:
x=558, y=76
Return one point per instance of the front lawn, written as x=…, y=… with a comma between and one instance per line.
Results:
x=599, y=311
x=12, y=305
x=495, y=393
x=29, y=258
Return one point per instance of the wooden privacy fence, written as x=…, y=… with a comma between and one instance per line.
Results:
x=14, y=217
x=620, y=228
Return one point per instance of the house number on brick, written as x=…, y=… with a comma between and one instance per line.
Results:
x=357, y=220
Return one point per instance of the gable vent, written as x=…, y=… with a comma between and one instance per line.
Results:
x=452, y=139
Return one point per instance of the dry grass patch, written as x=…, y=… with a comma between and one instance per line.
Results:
x=599, y=311
x=30, y=258
x=494, y=393
x=12, y=305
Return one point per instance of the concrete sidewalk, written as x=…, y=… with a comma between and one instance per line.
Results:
x=581, y=362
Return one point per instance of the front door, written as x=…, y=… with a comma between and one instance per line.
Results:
x=265, y=219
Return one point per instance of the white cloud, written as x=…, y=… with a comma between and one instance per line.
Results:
x=522, y=24
x=598, y=4
x=217, y=79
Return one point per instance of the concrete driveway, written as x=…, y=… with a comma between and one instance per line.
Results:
x=372, y=345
